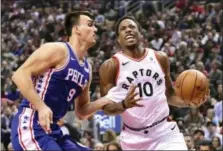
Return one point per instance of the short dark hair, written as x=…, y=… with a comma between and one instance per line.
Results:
x=211, y=123
x=123, y=18
x=72, y=19
x=199, y=131
x=117, y=145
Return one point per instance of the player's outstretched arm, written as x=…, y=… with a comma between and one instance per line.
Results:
x=107, y=72
x=47, y=56
x=84, y=108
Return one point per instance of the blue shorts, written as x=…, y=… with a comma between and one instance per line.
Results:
x=27, y=134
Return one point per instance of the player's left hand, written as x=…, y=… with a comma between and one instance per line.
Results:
x=203, y=100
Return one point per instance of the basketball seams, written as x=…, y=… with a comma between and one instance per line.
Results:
x=194, y=87
x=181, y=94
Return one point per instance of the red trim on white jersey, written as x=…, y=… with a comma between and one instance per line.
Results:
x=134, y=59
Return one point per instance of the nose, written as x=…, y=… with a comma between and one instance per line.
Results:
x=95, y=29
x=128, y=30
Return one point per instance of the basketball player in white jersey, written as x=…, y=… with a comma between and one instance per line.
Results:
x=145, y=127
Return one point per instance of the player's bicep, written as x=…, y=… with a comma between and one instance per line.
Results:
x=48, y=55
x=107, y=73
x=164, y=62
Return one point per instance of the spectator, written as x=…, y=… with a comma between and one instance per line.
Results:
x=211, y=116
x=189, y=141
x=194, y=116
x=10, y=148
x=6, y=120
x=218, y=110
x=205, y=146
x=215, y=74
x=198, y=136
x=219, y=96
x=200, y=67
x=157, y=42
x=212, y=131
x=99, y=146
x=216, y=143
x=113, y=146
x=109, y=136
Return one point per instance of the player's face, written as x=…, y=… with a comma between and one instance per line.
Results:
x=128, y=33
x=87, y=29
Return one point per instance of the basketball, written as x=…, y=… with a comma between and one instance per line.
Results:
x=192, y=86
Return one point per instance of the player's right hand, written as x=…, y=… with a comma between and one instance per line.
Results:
x=45, y=117
x=131, y=100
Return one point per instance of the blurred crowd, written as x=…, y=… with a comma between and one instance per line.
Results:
x=190, y=33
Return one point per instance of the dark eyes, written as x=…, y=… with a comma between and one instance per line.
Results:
x=130, y=26
x=90, y=24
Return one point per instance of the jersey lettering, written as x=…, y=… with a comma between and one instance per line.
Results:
x=75, y=76
x=144, y=88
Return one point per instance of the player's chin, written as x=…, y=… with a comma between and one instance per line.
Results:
x=130, y=44
x=93, y=42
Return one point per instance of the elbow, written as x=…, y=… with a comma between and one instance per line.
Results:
x=14, y=77
x=80, y=115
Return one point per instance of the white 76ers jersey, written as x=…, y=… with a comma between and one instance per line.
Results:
x=148, y=75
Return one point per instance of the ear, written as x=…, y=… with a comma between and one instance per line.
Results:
x=118, y=40
x=76, y=29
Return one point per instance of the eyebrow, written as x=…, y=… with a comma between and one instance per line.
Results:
x=127, y=25
x=90, y=21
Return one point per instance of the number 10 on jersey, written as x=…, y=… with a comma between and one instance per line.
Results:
x=145, y=89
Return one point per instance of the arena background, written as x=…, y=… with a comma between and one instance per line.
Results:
x=189, y=31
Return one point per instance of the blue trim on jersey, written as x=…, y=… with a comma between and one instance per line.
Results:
x=73, y=52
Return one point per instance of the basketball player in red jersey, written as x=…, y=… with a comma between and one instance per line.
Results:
x=144, y=127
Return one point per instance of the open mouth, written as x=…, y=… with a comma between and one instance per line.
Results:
x=130, y=37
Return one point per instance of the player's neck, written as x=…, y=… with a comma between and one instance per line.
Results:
x=134, y=52
x=80, y=48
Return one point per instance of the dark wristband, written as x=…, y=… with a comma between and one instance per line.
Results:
x=123, y=104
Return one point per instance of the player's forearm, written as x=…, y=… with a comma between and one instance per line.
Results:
x=24, y=83
x=92, y=107
x=174, y=100
x=177, y=101
x=113, y=109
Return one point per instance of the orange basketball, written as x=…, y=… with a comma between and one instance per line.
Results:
x=192, y=86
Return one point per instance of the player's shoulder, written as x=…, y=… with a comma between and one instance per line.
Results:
x=161, y=56
x=109, y=65
x=57, y=48
x=55, y=45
